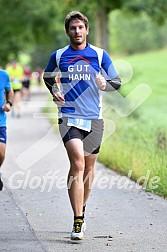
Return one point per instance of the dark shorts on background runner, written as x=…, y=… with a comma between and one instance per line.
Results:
x=3, y=135
x=26, y=84
x=91, y=140
x=16, y=90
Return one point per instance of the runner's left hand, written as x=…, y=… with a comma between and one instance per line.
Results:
x=100, y=81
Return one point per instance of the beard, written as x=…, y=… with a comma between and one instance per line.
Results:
x=76, y=41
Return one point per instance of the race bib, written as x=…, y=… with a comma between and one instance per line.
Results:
x=80, y=124
x=15, y=81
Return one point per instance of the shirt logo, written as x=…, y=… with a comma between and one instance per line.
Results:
x=80, y=70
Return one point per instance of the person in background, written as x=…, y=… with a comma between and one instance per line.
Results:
x=6, y=98
x=86, y=72
x=16, y=74
x=26, y=84
x=39, y=75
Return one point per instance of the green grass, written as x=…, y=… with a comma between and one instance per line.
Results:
x=139, y=142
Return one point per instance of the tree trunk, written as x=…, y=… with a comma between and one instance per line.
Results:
x=101, y=29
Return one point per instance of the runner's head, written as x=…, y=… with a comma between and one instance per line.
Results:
x=76, y=25
x=75, y=15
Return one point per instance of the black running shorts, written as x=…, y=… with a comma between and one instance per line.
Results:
x=91, y=140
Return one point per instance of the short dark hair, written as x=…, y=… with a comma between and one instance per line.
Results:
x=75, y=15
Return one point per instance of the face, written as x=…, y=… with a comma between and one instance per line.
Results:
x=14, y=64
x=77, y=32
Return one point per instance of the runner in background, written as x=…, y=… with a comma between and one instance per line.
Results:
x=39, y=75
x=16, y=74
x=26, y=84
x=5, y=106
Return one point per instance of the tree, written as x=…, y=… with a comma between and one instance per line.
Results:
x=135, y=33
x=157, y=10
x=25, y=23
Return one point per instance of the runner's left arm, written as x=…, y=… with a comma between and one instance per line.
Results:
x=113, y=81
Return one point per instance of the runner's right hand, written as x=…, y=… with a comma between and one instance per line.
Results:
x=58, y=98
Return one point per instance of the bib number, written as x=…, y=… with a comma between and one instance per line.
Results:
x=80, y=123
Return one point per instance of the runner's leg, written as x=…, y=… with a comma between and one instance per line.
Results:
x=2, y=157
x=2, y=152
x=17, y=99
x=89, y=175
x=75, y=152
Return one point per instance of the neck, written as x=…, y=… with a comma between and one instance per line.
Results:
x=78, y=47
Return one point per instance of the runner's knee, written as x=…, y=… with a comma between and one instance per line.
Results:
x=77, y=166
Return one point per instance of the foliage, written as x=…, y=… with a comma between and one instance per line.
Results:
x=131, y=34
x=24, y=24
x=37, y=27
x=157, y=10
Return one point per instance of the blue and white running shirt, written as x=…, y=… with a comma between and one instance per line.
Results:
x=78, y=71
x=4, y=86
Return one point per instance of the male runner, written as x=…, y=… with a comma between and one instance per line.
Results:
x=5, y=106
x=85, y=71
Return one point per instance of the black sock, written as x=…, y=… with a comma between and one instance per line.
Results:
x=1, y=184
x=83, y=211
x=78, y=218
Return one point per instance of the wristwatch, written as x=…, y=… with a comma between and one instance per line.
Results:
x=9, y=103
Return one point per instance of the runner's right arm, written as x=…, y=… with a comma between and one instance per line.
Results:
x=49, y=77
x=50, y=74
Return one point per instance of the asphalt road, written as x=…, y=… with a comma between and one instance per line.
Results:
x=35, y=213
